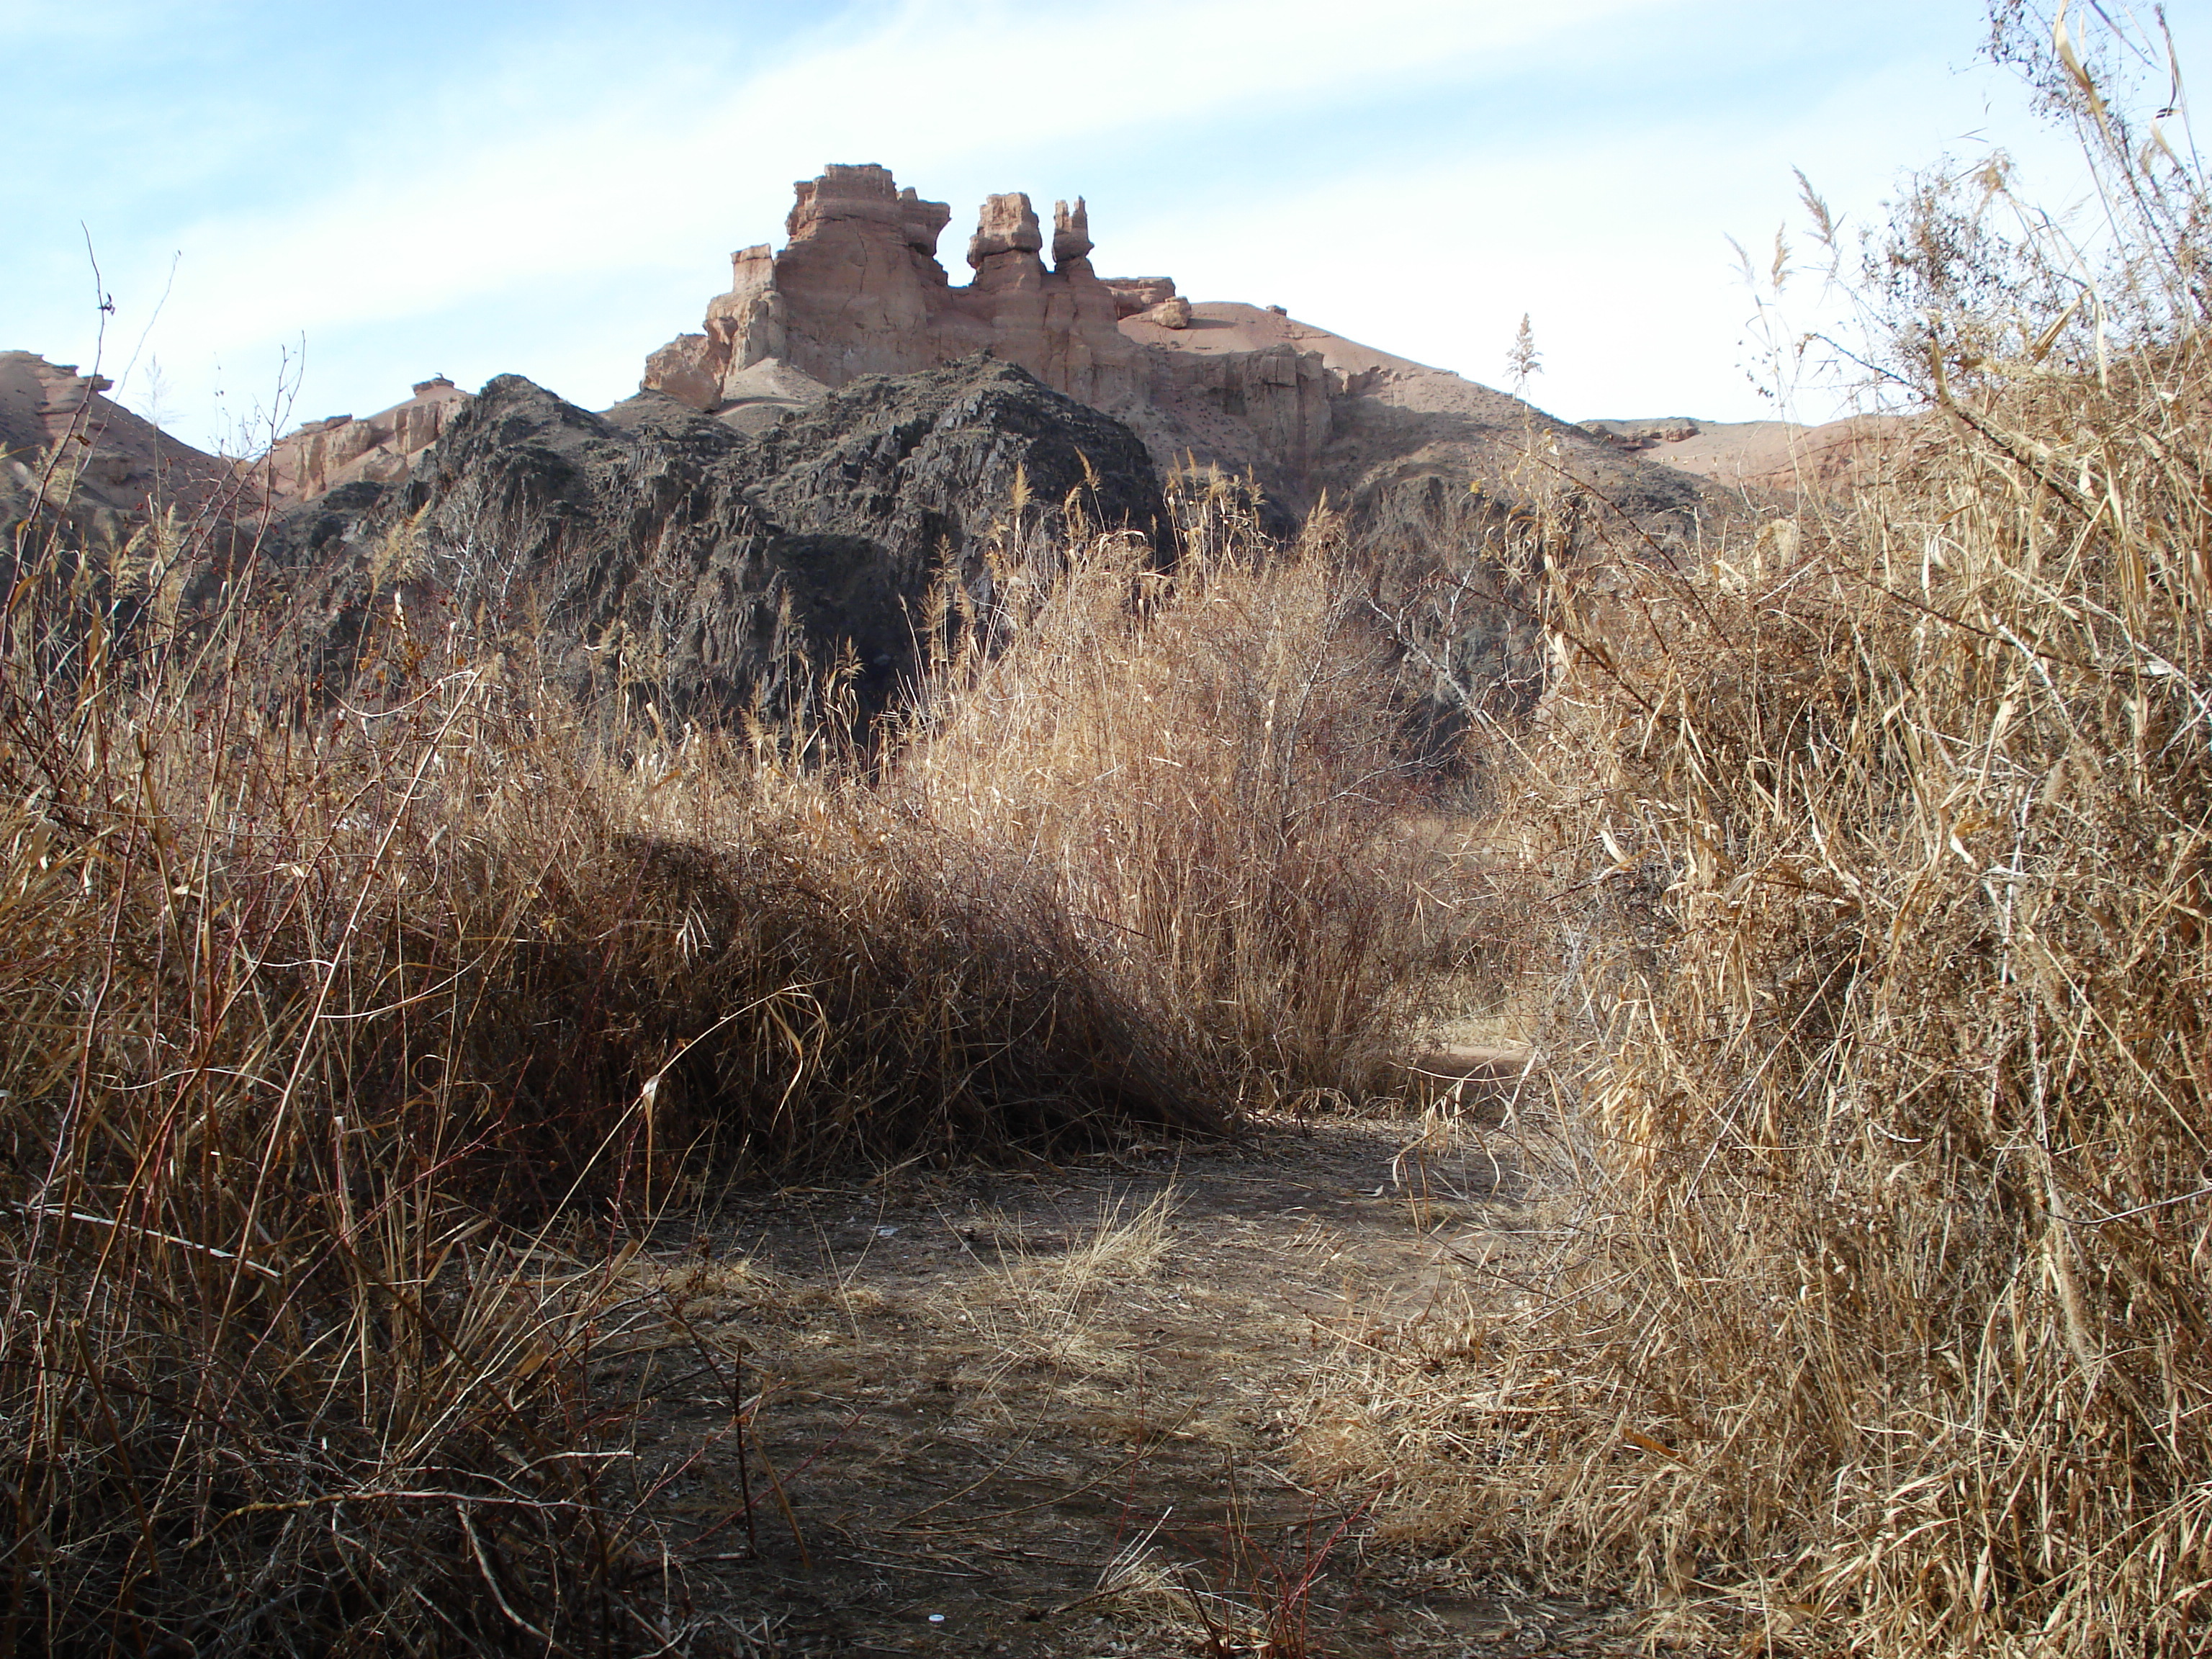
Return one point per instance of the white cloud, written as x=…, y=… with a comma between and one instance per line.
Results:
x=559, y=202
x=581, y=192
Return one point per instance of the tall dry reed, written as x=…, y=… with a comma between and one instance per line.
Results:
x=1213, y=766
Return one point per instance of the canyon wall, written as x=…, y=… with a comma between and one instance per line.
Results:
x=317, y=458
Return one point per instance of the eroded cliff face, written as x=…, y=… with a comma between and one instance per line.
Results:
x=858, y=289
x=322, y=455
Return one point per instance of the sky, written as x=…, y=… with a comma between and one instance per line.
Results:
x=298, y=209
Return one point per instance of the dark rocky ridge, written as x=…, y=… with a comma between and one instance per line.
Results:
x=665, y=557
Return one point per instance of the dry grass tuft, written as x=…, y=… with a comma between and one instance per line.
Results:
x=1042, y=1309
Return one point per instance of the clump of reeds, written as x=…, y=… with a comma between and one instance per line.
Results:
x=269, y=1383
x=1213, y=766
x=1875, y=857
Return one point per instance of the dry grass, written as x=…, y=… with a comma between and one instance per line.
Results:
x=1211, y=767
x=1041, y=1309
x=348, y=1039
x=1870, y=862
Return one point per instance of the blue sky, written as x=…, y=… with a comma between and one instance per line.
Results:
x=339, y=201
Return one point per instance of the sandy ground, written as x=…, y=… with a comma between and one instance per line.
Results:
x=1779, y=456
x=1057, y=1411
x=1218, y=325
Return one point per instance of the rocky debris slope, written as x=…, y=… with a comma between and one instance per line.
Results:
x=665, y=558
x=858, y=289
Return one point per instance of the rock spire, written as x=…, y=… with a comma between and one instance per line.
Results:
x=858, y=289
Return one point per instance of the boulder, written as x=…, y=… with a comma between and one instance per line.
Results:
x=690, y=369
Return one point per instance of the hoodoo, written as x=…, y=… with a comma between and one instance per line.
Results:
x=858, y=289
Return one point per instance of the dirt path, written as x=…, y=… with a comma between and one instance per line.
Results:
x=1054, y=1412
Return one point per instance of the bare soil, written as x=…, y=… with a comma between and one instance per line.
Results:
x=1059, y=1410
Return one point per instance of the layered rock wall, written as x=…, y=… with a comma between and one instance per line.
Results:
x=1281, y=394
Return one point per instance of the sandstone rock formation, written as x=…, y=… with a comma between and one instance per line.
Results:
x=658, y=557
x=858, y=289
x=1006, y=242
x=1174, y=312
x=322, y=455
x=1134, y=293
x=1071, y=232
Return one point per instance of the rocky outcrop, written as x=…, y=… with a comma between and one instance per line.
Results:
x=1134, y=293
x=1004, y=251
x=322, y=455
x=655, y=555
x=64, y=442
x=858, y=289
x=1071, y=232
